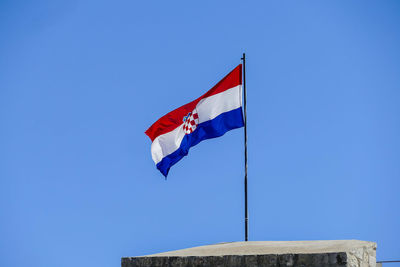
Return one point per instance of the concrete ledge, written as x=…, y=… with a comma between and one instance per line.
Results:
x=352, y=253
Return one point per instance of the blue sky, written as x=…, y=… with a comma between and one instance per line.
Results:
x=80, y=82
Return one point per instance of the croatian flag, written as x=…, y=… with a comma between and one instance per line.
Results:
x=209, y=116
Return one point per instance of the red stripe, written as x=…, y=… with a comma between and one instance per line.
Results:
x=173, y=119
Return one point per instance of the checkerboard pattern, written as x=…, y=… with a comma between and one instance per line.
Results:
x=191, y=122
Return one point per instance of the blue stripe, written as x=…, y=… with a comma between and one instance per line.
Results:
x=210, y=129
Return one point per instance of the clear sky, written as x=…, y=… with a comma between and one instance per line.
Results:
x=80, y=82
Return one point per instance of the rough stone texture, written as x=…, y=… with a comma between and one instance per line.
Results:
x=351, y=253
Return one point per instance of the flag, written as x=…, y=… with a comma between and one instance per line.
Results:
x=209, y=116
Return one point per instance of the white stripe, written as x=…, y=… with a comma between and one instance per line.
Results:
x=211, y=107
x=207, y=109
x=166, y=144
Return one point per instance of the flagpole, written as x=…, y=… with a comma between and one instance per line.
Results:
x=246, y=215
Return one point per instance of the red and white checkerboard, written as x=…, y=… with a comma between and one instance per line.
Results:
x=191, y=122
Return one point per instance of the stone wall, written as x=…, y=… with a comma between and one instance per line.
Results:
x=350, y=253
x=309, y=260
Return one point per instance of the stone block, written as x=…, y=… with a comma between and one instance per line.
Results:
x=330, y=253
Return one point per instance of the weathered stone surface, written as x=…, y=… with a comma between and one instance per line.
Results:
x=335, y=253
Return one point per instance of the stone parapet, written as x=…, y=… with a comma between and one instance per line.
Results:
x=352, y=253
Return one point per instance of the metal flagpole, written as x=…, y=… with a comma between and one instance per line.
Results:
x=246, y=215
